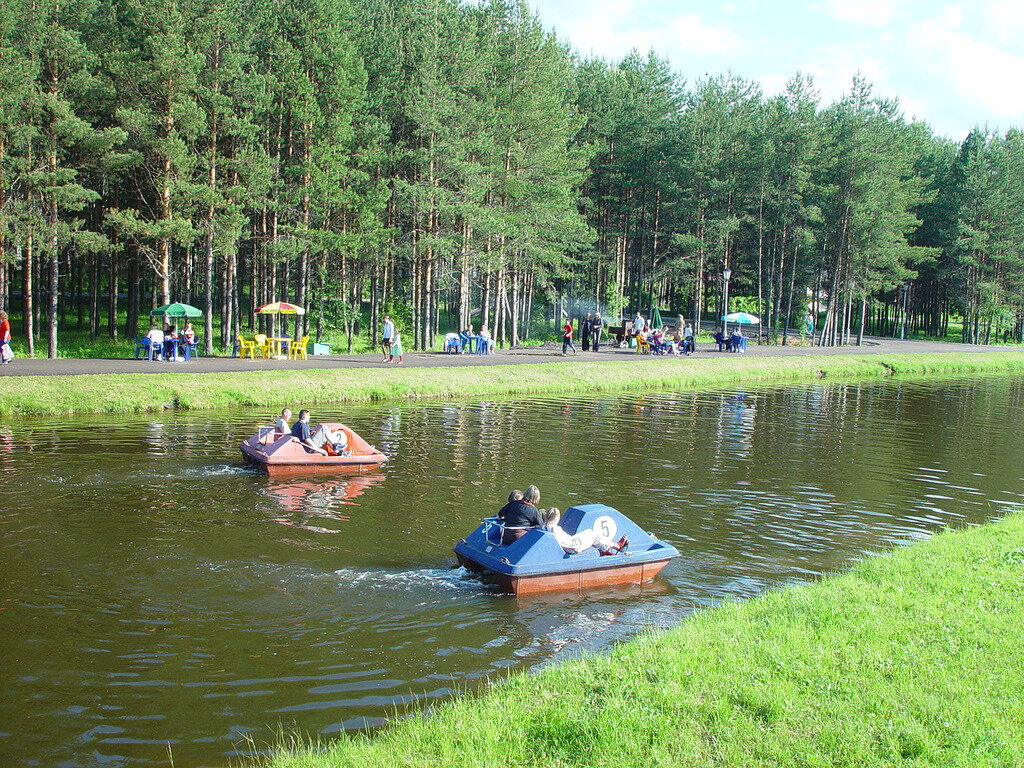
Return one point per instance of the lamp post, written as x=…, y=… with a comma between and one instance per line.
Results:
x=726, y=274
x=903, y=326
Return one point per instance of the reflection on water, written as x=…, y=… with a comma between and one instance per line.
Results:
x=317, y=498
x=157, y=592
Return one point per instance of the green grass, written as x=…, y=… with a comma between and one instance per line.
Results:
x=913, y=658
x=129, y=392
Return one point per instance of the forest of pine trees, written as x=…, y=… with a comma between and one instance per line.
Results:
x=453, y=164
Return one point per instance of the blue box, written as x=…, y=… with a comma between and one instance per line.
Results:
x=320, y=349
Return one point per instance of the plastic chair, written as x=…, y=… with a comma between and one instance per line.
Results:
x=297, y=349
x=191, y=348
x=452, y=343
x=142, y=345
x=246, y=347
x=643, y=347
x=467, y=342
x=261, y=344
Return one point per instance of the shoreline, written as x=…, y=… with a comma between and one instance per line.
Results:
x=51, y=395
x=911, y=656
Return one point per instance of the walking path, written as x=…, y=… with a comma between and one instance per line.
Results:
x=547, y=354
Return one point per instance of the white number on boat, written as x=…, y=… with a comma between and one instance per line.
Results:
x=605, y=525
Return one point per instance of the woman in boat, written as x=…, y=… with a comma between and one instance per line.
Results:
x=520, y=515
x=583, y=539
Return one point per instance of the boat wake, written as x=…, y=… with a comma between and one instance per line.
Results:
x=455, y=579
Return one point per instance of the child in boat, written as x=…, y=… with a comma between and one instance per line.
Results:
x=583, y=539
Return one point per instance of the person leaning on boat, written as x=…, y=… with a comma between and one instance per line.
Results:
x=520, y=515
x=318, y=438
x=584, y=539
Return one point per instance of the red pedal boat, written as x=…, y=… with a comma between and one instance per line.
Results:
x=281, y=454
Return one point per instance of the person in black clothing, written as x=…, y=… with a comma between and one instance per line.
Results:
x=585, y=331
x=519, y=516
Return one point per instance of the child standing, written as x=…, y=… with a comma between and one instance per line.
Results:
x=396, y=346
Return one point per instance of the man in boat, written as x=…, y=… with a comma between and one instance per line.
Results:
x=281, y=425
x=520, y=515
x=321, y=436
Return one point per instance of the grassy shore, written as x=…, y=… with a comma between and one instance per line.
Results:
x=913, y=658
x=128, y=393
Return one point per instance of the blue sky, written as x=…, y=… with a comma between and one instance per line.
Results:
x=955, y=65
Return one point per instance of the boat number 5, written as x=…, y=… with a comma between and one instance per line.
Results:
x=605, y=525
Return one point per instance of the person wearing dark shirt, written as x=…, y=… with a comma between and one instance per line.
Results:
x=321, y=436
x=520, y=516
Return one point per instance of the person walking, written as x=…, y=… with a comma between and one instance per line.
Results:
x=385, y=339
x=567, y=338
x=396, y=347
x=6, y=355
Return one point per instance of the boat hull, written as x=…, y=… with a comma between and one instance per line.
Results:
x=580, y=580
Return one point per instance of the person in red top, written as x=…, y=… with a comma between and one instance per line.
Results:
x=6, y=355
x=567, y=338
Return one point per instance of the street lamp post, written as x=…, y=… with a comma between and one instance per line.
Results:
x=903, y=326
x=726, y=274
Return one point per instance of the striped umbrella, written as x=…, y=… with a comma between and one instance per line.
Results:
x=280, y=308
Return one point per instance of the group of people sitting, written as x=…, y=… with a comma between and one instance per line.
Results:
x=663, y=340
x=734, y=342
x=322, y=440
x=162, y=340
x=521, y=514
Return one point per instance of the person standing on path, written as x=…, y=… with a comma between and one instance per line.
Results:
x=596, y=326
x=396, y=347
x=585, y=331
x=567, y=338
x=6, y=355
x=385, y=339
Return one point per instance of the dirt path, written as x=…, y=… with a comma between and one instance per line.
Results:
x=548, y=354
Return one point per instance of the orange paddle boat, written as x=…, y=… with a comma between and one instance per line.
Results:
x=280, y=454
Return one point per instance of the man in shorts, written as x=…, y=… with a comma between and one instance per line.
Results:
x=315, y=440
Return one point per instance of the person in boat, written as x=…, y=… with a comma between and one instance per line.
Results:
x=583, y=539
x=318, y=438
x=520, y=515
x=281, y=425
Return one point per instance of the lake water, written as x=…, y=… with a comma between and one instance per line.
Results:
x=158, y=596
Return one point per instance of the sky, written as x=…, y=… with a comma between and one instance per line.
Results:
x=955, y=65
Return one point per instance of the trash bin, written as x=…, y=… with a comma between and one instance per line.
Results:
x=321, y=349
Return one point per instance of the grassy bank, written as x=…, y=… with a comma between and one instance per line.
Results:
x=128, y=393
x=914, y=658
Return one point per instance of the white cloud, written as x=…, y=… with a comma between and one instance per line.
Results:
x=694, y=35
x=613, y=30
x=873, y=13
x=1004, y=19
x=976, y=71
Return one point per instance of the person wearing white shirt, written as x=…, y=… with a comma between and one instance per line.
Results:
x=385, y=339
x=281, y=425
x=583, y=539
x=156, y=341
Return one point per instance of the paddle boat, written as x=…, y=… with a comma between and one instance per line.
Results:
x=279, y=453
x=536, y=563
